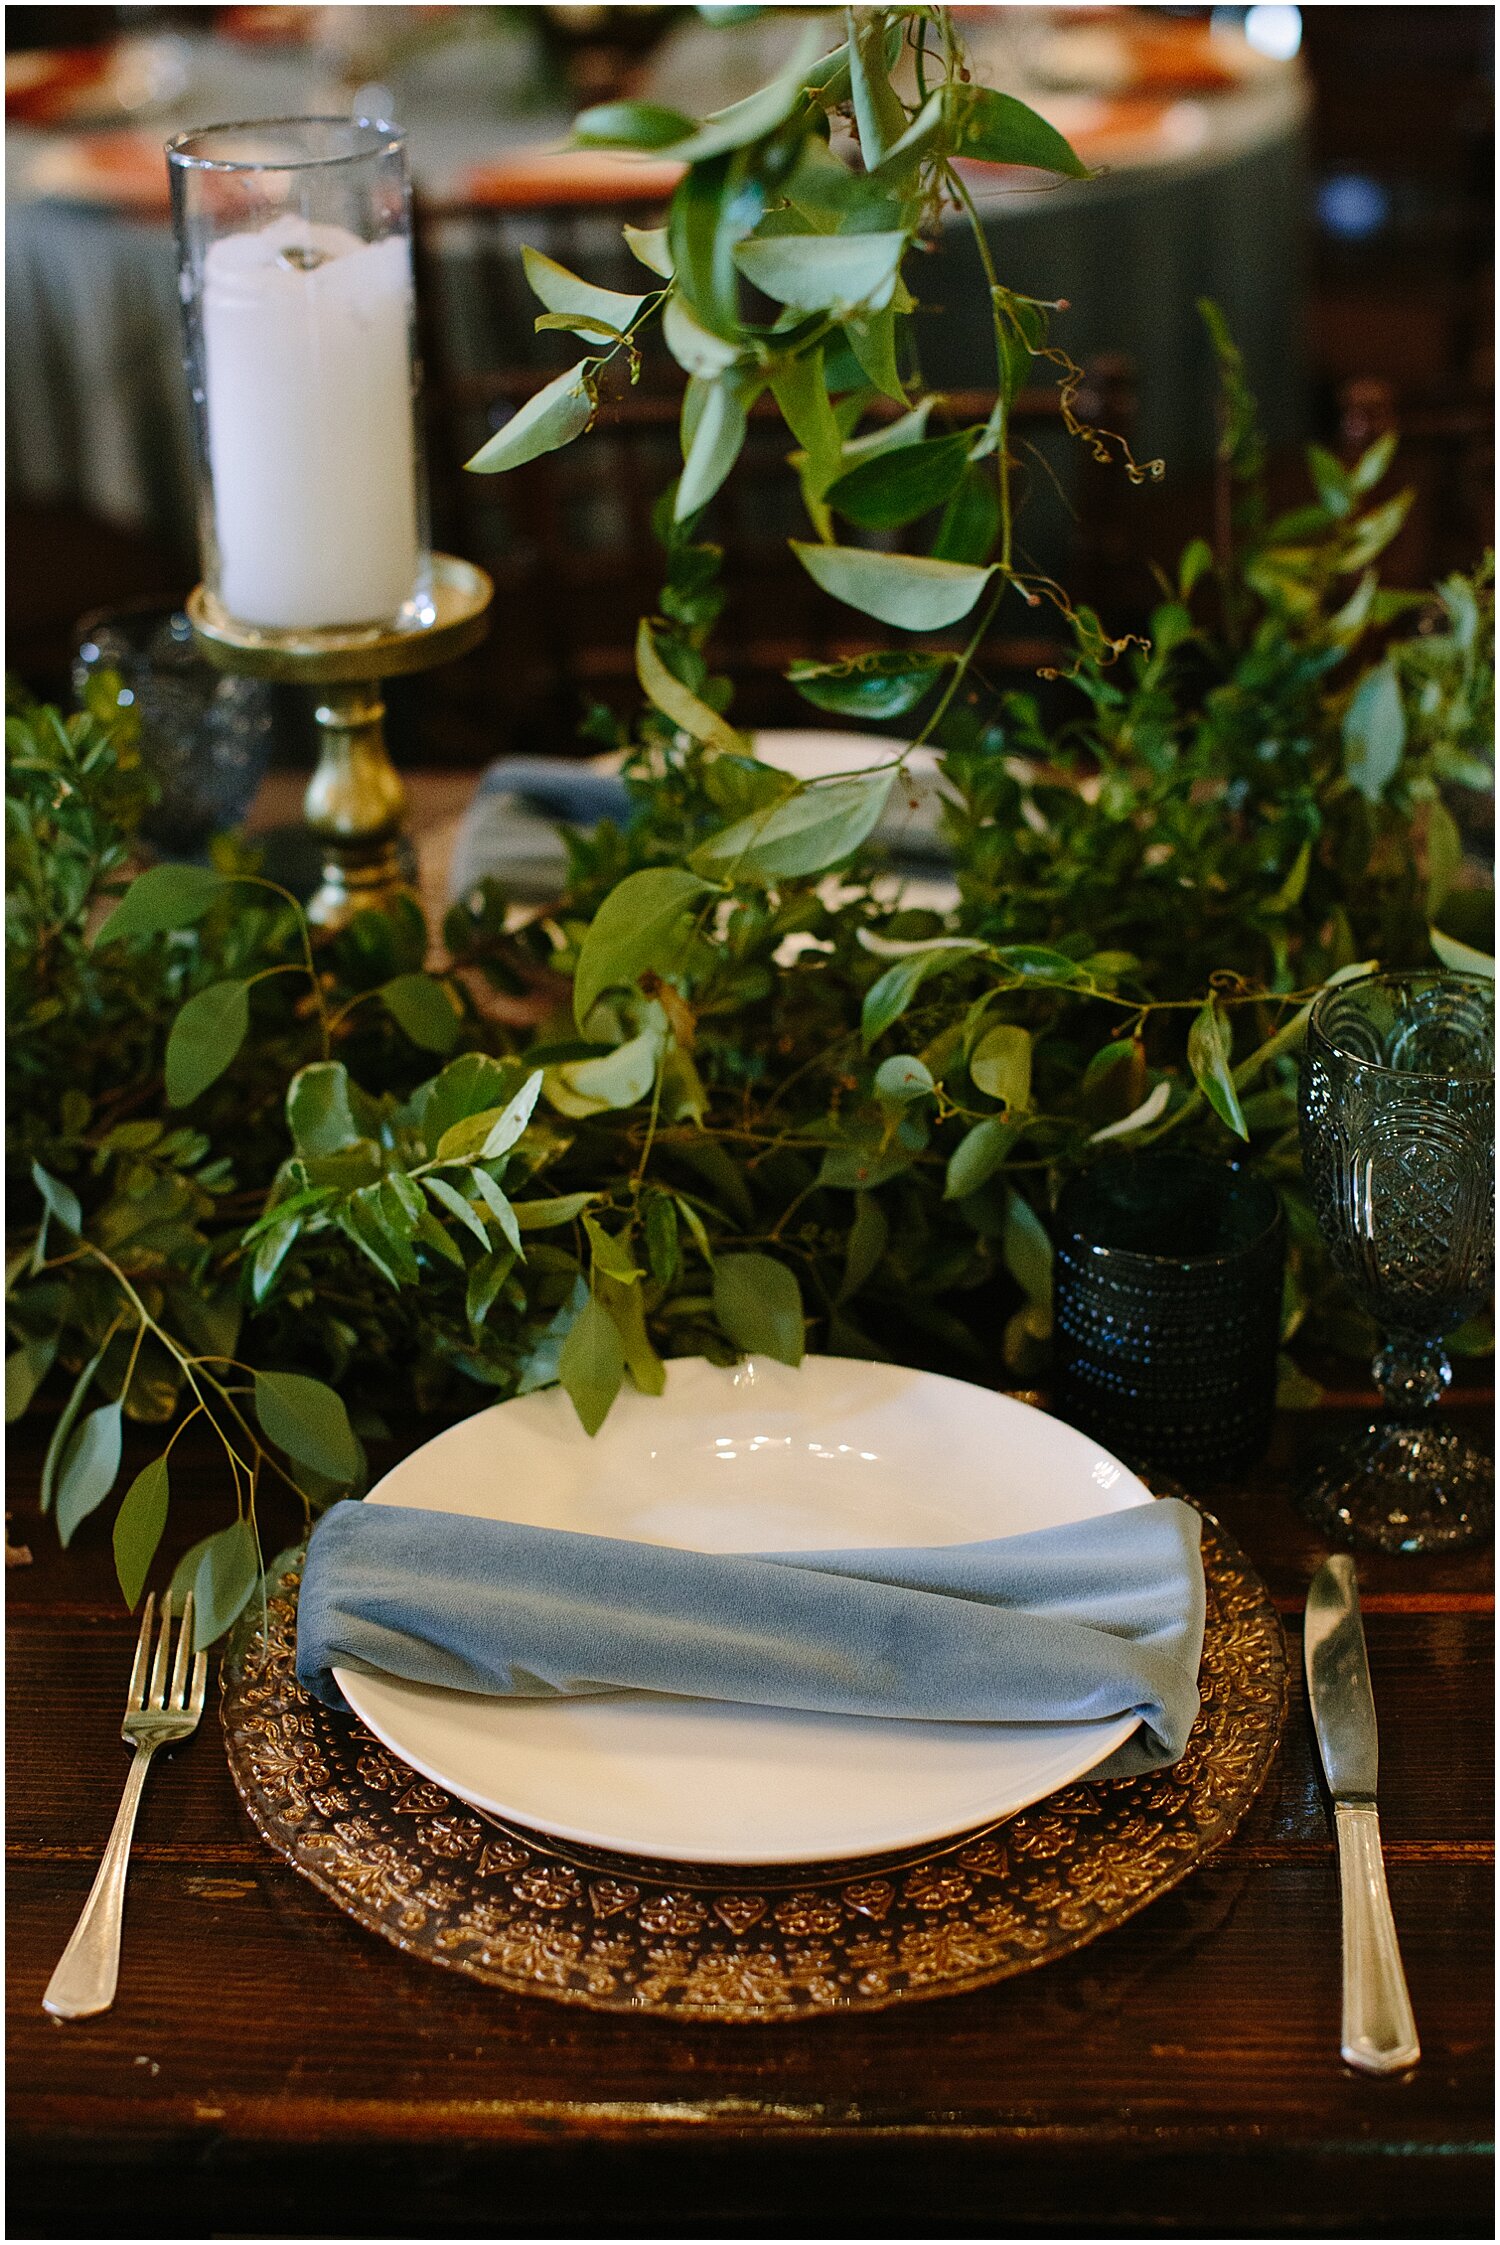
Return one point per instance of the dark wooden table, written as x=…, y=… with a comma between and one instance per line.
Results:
x=271, y=2070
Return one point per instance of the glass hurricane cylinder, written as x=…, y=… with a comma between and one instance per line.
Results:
x=294, y=245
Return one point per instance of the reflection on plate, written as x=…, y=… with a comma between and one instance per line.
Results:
x=755, y=1458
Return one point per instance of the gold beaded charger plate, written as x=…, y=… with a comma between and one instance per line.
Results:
x=538, y=1916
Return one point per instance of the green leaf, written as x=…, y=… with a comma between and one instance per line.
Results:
x=906, y=590
x=553, y=417
x=869, y=1236
x=64, y=1428
x=895, y=488
x=1445, y=855
x=888, y=998
x=697, y=351
x=926, y=130
x=1035, y=962
x=903, y=1078
x=161, y=898
x=307, y=1419
x=473, y=1084
x=25, y=1371
x=318, y=1110
x=449, y=1197
x=1208, y=1051
x=227, y=1571
x=758, y=114
x=90, y=1467
x=886, y=684
x=424, y=1008
x=1000, y=1065
x=878, y=112
x=622, y=1078
x=995, y=128
x=1374, y=732
x=1027, y=1251
x=759, y=1306
x=1197, y=558
x=577, y=323
x=801, y=392
x=649, y=245
x=1372, y=465
x=500, y=1208
x=563, y=292
x=714, y=207
x=1151, y=1108
x=592, y=1364
x=978, y=1154
x=628, y=1312
x=610, y=1255
x=661, y=1237
x=675, y=702
x=716, y=444
x=546, y=1215
x=872, y=339
x=971, y=520
x=806, y=833
x=486, y=1278
x=514, y=1119
x=204, y=1039
x=138, y=1527
x=1459, y=958
x=643, y=125
x=824, y=272
x=61, y=1200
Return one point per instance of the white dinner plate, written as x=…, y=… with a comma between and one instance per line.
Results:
x=836, y=1454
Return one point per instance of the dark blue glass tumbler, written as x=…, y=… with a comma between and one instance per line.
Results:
x=1167, y=1311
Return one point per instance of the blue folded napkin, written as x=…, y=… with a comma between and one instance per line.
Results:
x=1099, y=1619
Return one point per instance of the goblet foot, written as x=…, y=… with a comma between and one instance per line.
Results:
x=1403, y=1485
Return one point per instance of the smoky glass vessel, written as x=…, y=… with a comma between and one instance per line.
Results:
x=1397, y=1123
x=1167, y=1310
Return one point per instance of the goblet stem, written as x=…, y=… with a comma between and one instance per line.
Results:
x=1412, y=1371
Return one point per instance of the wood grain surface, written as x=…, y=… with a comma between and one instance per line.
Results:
x=270, y=2070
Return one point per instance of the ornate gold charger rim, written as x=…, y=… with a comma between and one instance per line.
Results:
x=534, y=1916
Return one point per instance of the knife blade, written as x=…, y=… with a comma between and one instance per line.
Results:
x=1379, y=2034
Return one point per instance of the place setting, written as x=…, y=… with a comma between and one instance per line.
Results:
x=750, y=1267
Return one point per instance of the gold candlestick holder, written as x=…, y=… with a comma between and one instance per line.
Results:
x=355, y=802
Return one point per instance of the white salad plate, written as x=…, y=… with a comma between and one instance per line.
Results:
x=759, y=1457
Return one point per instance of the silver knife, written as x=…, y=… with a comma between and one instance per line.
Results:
x=1379, y=2032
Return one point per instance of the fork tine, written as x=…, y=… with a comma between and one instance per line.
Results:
x=155, y=1696
x=142, y=1656
x=200, y=1679
x=184, y=1654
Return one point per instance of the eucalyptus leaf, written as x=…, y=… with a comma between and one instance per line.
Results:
x=204, y=1040
x=1000, y=1065
x=1208, y=1056
x=424, y=1008
x=871, y=337
x=869, y=686
x=612, y=1256
x=642, y=125
x=138, y=1527
x=695, y=348
x=888, y=998
x=449, y=1197
x=500, y=1208
x=62, y=1201
x=556, y=414
x=995, y=128
x=160, y=899
x=305, y=1417
x=591, y=1364
x=979, y=1153
x=63, y=1431
x=563, y=292
x=628, y=1312
x=674, y=700
x=89, y=1469
x=485, y=1280
x=879, y=115
x=759, y=1306
x=224, y=1580
x=1374, y=732
x=824, y=272
x=716, y=444
x=514, y=1119
x=25, y=1370
x=806, y=833
x=895, y=488
x=909, y=591
x=649, y=245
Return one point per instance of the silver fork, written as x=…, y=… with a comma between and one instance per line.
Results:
x=155, y=1715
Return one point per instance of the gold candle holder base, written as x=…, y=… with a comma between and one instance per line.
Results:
x=355, y=802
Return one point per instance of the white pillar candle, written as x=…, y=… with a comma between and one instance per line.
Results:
x=308, y=405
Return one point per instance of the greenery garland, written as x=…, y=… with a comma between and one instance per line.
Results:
x=729, y=1094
